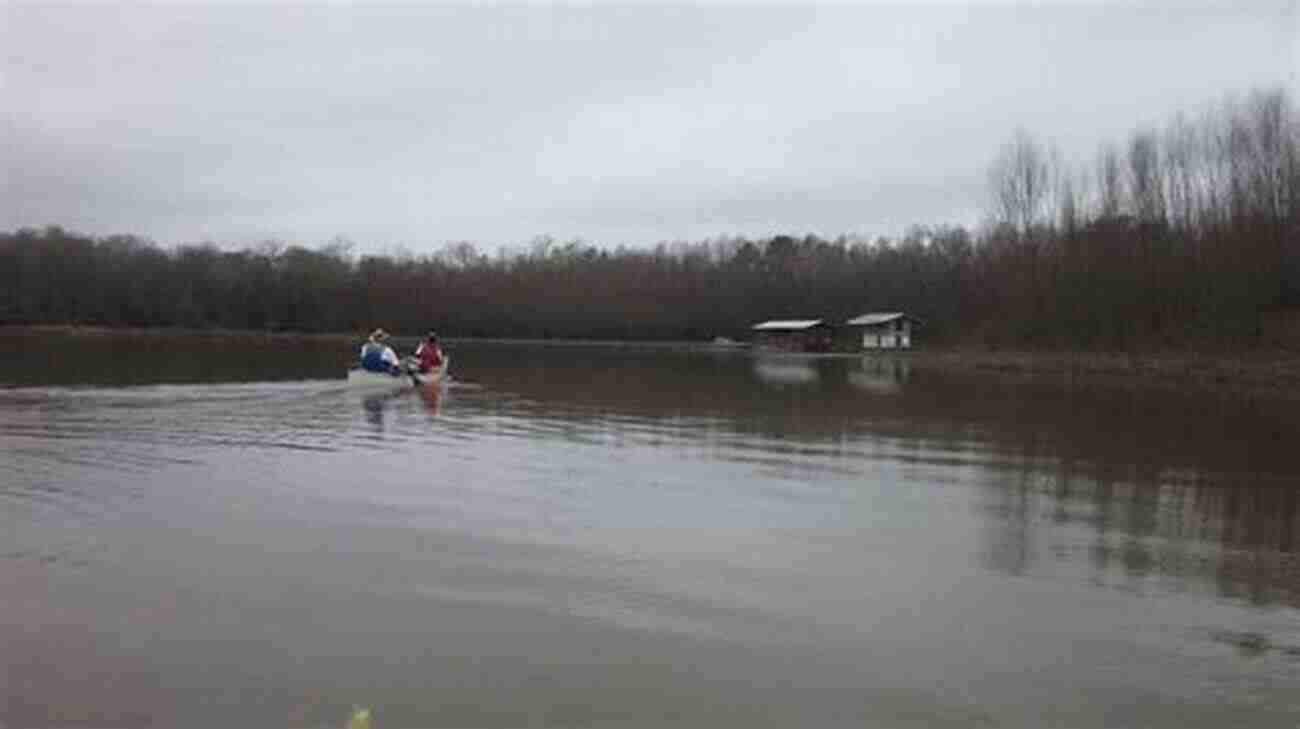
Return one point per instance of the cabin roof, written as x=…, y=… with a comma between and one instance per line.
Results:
x=879, y=317
x=786, y=325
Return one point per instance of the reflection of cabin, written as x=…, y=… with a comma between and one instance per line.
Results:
x=883, y=330
x=785, y=371
x=880, y=375
x=793, y=335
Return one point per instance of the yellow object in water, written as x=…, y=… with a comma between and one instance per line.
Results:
x=360, y=718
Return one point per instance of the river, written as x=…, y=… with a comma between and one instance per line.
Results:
x=212, y=533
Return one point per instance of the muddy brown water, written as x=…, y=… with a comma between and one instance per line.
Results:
x=214, y=533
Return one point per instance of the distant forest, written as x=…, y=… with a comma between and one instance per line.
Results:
x=1184, y=236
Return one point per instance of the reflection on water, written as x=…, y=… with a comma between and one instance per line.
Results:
x=785, y=371
x=1152, y=529
x=849, y=541
x=881, y=375
x=150, y=359
x=377, y=405
x=374, y=406
x=431, y=398
x=1155, y=483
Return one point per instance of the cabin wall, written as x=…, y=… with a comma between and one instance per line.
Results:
x=891, y=335
x=818, y=339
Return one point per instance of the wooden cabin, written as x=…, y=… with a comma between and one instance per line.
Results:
x=793, y=335
x=883, y=330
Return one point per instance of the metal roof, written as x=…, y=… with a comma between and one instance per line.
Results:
x=879, y=317
x=786, y=325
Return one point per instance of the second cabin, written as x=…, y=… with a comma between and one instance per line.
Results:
x=883, y=330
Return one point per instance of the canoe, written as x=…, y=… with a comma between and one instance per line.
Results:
x=367, y=381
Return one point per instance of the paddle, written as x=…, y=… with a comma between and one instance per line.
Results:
x=409, y=369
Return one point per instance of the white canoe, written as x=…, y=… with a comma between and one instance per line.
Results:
x=359, y=379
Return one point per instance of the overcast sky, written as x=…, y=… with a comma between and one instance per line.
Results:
x=409, y=126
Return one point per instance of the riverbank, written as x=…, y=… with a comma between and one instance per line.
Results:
x=1260, y=372
x=73, y=330
x=1257, y=371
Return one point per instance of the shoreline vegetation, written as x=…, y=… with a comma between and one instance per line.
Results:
x=1177, y=251
x=1251, y=372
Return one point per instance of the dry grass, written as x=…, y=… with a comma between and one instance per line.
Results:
x=1272, y=371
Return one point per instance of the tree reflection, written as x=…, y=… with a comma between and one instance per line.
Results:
x=1137, y=488
x=1146, y=527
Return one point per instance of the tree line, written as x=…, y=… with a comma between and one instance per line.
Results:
x=1184, y=236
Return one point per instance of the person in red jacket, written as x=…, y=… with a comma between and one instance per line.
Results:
x=429, y=353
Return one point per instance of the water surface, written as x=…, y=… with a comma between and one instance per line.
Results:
x=214, y=533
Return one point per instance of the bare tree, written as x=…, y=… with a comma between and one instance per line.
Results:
x=1019, y=182
x=1069, y=201
x=1269, y=141
x=1146, y=178
x=1181, y=162
x=1110, y=183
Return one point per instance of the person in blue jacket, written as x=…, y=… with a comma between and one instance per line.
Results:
x=379, y=357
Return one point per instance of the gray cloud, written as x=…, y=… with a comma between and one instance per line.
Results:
x=416, y=125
